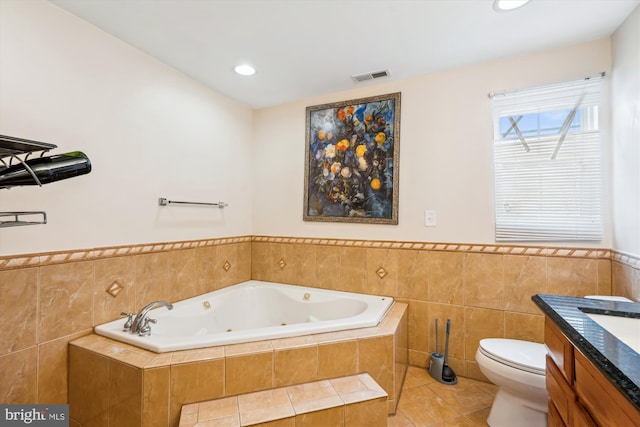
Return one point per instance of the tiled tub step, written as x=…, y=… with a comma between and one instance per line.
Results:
x=352, y=401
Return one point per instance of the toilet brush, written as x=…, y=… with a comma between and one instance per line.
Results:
x=436, y=361
x=448, y=376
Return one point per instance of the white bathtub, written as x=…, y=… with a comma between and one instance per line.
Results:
x=252, y=311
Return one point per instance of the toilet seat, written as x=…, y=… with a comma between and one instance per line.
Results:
x=523, y=355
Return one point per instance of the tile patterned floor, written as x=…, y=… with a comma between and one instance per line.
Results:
x=426, y=402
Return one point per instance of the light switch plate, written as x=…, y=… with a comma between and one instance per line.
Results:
x=429, y=218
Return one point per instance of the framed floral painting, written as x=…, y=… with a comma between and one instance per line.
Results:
x=352, y=158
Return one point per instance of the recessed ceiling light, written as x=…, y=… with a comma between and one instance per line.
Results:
x=507, y=5
x=245, y=70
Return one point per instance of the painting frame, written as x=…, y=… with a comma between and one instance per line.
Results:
x=352, y=158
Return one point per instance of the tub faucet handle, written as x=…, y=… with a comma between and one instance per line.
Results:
x=127, y=325
x=145, y=330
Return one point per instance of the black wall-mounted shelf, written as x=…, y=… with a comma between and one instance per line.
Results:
x=18, y=150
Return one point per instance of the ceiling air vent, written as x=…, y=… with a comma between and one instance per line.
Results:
x=371, y=76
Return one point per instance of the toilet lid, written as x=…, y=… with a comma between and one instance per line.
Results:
x=523, y=355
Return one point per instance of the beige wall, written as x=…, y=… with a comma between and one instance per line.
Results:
x=625, y=94
x=446, y=143
x=149, y=130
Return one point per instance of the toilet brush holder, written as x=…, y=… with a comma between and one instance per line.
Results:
x=436, y=363
x=436, y=368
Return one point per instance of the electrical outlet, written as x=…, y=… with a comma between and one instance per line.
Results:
x=429, y=218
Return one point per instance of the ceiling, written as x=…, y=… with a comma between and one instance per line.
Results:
x=304, y=48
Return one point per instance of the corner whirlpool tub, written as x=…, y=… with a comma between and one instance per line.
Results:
x=252, y=311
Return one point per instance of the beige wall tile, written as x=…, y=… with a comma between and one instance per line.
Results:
x=413, y=275
x=386, y=282
x=472, y=370
x=244, y=374
x=248, y=348
x=125, y=397
x=315, y=396
x=207, y=267
x=18, y=321
x=635, y=289
x=228, y=254
x=604, y=277
x=623, y=278
x=328, y=271
x=376, y=358
x=486, y=323
x=524, y=276
x=295, y=366
x=244, y=261
x=419, y=358
x=572, y=276
x=88, y=387
x=265, y=406
x=299, y=264
x=284, y=422
x=333, y=417
x=337, y=359
x=353, y=270
x=194, y=382
x=183, y=266
x=155, y=383
x=446, y=277
x=53, y=362
x=484, y=281
x=418, y=276
x=419, y=329
x=526, y=327
x=18, y=374
x=442, y=312
x=401, y=357
x=214, y=410
x=154, y=280
x=283, y=263
x=372, y=413
x=262, y=266
x=107, y=271
x=65, y=300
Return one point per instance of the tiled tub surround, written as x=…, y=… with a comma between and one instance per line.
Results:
x=112, y=383
x=49, y=299
x=485, y=289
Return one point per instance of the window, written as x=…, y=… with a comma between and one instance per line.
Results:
x=547, y=160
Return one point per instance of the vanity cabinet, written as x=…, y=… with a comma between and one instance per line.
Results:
x=579, y=394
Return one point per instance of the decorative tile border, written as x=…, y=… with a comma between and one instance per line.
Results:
x=33, y=260
x=626, y=259
x=62, y=257
x=597, y=253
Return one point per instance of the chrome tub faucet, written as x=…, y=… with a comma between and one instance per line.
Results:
x=141, y=321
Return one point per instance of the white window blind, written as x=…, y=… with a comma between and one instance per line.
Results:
x=547, y=158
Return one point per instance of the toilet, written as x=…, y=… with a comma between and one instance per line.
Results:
x=518, y=369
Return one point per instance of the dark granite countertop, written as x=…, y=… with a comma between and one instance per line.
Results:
x=617, y=361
